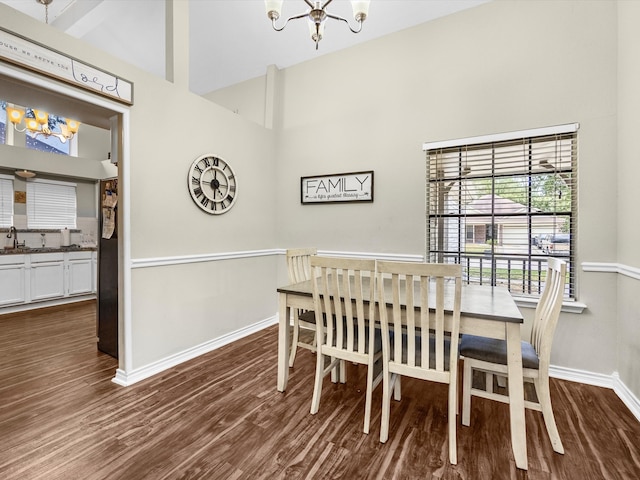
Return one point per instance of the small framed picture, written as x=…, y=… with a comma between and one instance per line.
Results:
x=337, y=188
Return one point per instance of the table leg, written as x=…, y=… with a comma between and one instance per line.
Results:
x=516, y=395
x=284, y=313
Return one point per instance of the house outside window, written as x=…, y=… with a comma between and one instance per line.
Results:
x=501, y=205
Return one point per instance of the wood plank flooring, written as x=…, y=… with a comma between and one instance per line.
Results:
x=219, y=416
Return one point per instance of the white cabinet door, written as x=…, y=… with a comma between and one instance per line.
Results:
x=12, y=281
x=80, y=277
x=47, y=276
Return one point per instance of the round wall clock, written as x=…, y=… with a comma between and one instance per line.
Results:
x=212, y=184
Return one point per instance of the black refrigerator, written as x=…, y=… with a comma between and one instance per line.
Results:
x=107, y=322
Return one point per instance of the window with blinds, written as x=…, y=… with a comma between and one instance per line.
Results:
x=502, y=205
x=6, y=201
x=51, y=204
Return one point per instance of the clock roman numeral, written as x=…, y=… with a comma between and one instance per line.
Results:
x=216, y=161
x=195, y=180
x=197, y=191
x=204, y=201
x=207, y=163
x=198, y=168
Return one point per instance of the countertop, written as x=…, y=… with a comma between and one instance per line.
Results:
x=28, y=250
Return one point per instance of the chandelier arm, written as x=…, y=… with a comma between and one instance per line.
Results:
x=336, y=17
x=311, y=6
x=325, y=5
x=295, y=17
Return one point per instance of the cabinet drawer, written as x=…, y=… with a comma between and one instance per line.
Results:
x=46, y=257
x=12, y=259
x=80, y=255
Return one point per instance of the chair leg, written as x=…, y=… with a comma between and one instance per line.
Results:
x=397, y=389
x=467, y=377
x=388, y=382
x=544, y=397
x=317, y=387
x=294, y=340
x=368, y=395
x=453, y=421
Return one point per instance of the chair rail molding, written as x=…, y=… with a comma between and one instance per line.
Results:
x=604, y=267
x=214, y=257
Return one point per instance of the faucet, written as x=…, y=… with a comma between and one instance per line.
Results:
x=13, y=233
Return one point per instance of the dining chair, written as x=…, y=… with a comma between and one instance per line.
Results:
x=490, y=356
x=344, y=302
x=299, y=270
x=415, y=342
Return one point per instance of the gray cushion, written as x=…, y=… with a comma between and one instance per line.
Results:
x=495, y=351
x=432, y=349
x=310, y=317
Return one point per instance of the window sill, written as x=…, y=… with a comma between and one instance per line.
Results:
x=568, y=306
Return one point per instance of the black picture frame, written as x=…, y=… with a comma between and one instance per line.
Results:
x=351, y=187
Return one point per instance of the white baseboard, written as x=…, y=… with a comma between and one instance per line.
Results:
x=600, y=380
x=630, y=400
x=129, y=378
x=23, y=307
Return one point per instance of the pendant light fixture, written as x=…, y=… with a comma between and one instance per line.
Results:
x=317, y=15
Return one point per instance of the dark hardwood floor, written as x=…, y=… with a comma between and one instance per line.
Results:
x=219, y=416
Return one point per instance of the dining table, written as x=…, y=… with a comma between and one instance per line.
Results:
x=488, y=311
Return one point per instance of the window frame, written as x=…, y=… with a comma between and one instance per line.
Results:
x=6, y=200
x=442, y=232
x=41, y=214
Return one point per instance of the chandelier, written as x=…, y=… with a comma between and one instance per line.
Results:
x=317, y=16
x=39, y=125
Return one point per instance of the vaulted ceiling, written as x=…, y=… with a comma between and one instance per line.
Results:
x=230, y=40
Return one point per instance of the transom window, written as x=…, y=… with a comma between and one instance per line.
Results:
x=501, y=205
x=51, y=144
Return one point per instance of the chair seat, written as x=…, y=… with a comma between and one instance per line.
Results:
x=432, y=349
x=309, y=316
x=495, y=351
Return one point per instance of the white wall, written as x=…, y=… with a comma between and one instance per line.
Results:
x=628, y=194
x=499, y=67
x=174, y=308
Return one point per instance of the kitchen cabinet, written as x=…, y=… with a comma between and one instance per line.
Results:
x=13, y=280
x=79, y=270
x=47, y=276
x=41, y=277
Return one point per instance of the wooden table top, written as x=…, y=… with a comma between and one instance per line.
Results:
x=478, y=301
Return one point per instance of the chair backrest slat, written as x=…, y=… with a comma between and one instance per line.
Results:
x=298, y=266
x=548, y=310
x=344, y=295
x=431, y=294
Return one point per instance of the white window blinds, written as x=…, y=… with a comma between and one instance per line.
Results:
x=51, y=204
x=6, y=201
x=501, y=205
